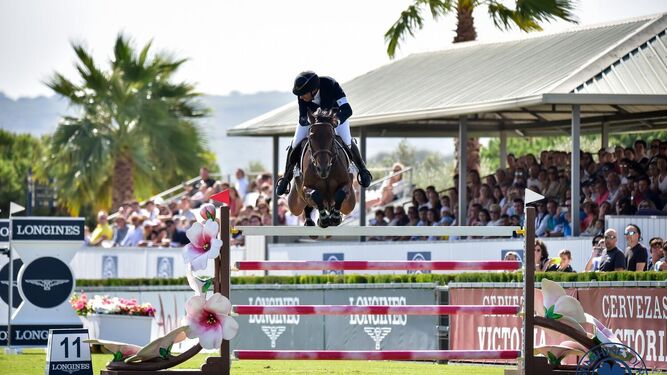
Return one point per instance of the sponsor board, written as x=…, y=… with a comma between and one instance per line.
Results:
x=30, y=335
x=30, y=229
x=67, y=353
x=4, y=233
x=419, y=256
x=4, y=282
x=329, y=257
x=46, y=282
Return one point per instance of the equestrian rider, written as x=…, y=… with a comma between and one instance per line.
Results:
x=321, y=92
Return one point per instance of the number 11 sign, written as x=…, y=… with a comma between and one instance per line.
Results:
x=67, y=354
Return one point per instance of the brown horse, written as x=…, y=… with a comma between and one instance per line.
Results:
x=325, y=182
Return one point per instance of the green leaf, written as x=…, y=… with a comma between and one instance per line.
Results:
x=117, y=356
x=164, y=353
x=553, y=360
x=207, y=285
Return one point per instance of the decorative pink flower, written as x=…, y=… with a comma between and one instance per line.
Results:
x=602, y=334
x=207, y=211
x=209, y=320
x=203, y=244
x=120, y=350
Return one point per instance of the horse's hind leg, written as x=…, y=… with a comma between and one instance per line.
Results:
x=335, y=216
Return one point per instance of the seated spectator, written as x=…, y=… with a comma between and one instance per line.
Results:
x=612, y=258
x=564, y=264
x=400, y=218
x=394, y=187
x=136, y=233
x=636, y=254
x=176, y=235
x=149, y=211
x=379, y=219
x=593, y=263
x=655, y=246
x=541, y=256
x=389, y=214
x=103, y=231
x=661, y=265
x=496, y=219
x=120, y=230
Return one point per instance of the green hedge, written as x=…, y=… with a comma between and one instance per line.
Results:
x=441, y=279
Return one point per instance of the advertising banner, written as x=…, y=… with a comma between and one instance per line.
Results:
x=638, y=316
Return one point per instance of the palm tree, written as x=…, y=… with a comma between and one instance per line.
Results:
x=135, y=130
x=527, y=15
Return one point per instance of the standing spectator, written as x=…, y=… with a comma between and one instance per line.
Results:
x=241, y=183
x=655, y=244
x=593, y=263
x=204, y=179
x=120, y=230
x=103, y=231
x=636, y=254
x=564, y=265
x=250, y=198
x=612, y=258
x=541, y=256
x=235, y=202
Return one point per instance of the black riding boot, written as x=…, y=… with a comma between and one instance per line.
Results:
x=364, y=177
x=293, y=154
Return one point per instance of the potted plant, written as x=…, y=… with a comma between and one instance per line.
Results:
x=115, y=318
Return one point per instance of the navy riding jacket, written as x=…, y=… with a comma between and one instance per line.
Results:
x=331, y=96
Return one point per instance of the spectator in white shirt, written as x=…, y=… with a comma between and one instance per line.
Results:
x=241, y=183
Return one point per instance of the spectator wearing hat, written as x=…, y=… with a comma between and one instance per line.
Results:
x=636, y=254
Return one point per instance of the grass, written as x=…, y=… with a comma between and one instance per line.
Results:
x=33, y=361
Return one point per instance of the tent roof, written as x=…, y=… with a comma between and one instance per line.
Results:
x=617, y=72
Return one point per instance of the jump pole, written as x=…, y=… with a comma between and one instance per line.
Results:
x=384, y=355
x=375, y=310
x=360, y=265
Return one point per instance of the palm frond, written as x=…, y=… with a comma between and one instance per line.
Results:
x=529, y=14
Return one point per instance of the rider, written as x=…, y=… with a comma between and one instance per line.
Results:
x=321, y=92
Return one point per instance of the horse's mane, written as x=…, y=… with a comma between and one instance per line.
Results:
x=326, y=115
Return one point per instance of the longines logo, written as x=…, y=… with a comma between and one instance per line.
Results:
x=4, y=276
x=47, y=282
x=70, y=368
x=50, y=229
x=377, y=334
x=273, y=325
x=419, y=256
x=273, y=332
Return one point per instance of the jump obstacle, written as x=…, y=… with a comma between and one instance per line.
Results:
x=222, y=364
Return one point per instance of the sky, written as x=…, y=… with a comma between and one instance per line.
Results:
x=243, y=46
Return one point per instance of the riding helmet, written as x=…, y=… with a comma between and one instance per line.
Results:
x=306, y=82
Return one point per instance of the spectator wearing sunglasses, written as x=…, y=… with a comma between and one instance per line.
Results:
x=612, y=258
x=636, y=254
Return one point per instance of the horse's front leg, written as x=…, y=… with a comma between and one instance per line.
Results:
x=308, y=211
x=340, y=195
x=316, y=199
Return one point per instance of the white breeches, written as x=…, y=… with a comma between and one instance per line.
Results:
x=343, y=130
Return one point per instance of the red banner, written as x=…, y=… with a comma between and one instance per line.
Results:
x=638, y=316
x=493, y=332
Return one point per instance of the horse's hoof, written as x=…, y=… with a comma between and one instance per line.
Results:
x=335, y=219
x=323, y=222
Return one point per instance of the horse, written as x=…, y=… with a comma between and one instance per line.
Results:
x=325, y=182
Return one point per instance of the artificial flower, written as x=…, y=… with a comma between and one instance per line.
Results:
x=209, y=320
x=203, y=244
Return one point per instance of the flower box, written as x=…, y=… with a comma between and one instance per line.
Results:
x=130, y=329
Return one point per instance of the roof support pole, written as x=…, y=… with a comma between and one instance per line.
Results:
x=575, y=180
x=503, y=149
x=274, y=171
x=463, y=171
x=605, y=135
x=362, y=193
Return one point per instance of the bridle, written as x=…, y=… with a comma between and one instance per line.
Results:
x=330, y=151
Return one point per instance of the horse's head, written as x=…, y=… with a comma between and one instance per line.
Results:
x=321, y=140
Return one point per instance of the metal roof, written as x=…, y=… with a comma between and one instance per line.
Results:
x=618, y=72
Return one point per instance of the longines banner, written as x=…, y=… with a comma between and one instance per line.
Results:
x=4, y=233
x=492, y=332
x=638, y=316
x=46, y=229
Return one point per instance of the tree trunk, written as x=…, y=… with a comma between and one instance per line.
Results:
x=465, y=31
x=122, y=181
